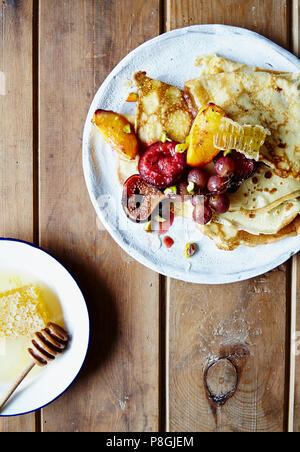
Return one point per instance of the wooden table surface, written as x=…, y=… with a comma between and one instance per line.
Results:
x=151, y=337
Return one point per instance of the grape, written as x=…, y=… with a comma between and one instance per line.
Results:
x=182, y=189
x=202, y=213
x=199, y=177
x=244, y=167
x=225, y=166
x=219, y=203
x=217, y=184
x=197, y=199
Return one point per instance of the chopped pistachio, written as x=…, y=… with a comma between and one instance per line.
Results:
x=191, y=188
x=163, y=137
x=227, y=152
x=159, y=219
x=127, y=128
x=189, y=249
x=181, y=148
x=147, y=227
x=170, y=190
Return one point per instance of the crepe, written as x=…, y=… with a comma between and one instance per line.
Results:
x=228, y=238
x=265, y=208
x=254, y=222
x=214, y=64
x=263, y=191
x=259, y=98
x=282, y=222
x=161, y=108
x=261, y=222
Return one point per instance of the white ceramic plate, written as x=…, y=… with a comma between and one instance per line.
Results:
x=41, y=389
x=170, y=58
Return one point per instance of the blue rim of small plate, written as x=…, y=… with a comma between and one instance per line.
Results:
x=203, y=28
x=3, y=239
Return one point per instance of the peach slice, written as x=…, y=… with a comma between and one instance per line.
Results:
x=201, y=138
x=117, y=131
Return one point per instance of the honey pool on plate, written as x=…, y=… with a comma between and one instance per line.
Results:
x=13, y=350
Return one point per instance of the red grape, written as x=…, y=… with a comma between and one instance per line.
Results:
x=217, y=184
x=225, y=166
x=199, y=177
x=244, y=167
x=202, y=213
x=219, y=203
x=197, y=199
x=182, y=189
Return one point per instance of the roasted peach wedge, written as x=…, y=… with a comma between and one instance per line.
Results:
x=117, y=131
x=201, y=148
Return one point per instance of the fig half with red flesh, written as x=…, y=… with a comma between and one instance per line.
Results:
x=161, y=166
x=139, y=199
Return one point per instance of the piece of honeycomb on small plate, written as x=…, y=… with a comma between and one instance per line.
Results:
x=22, y=312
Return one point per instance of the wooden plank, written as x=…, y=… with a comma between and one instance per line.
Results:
x=296, y=345
x=80, y=42
x=16, y=139
x=251, y=14
x=294, y=398
x=244, y=321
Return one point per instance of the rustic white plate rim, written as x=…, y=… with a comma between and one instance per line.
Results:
x=281, y=251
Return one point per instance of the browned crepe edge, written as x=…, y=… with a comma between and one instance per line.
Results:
x=247, y=239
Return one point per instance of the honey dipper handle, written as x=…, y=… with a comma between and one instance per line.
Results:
x=14, y=386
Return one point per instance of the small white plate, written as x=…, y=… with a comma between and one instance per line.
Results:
x=170, y=58
x=41, y=389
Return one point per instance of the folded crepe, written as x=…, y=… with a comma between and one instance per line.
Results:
x=259, y=98
x=264, y=191
x=228, y=238
x=248, y=228
x=215, y=64
x=266, y=207
x=161, y=109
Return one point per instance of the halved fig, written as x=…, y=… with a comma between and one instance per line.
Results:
x=139, y=199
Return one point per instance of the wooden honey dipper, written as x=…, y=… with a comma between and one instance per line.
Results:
x=46, y=344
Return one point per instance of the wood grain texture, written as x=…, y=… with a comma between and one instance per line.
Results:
x=246, y=325
x=294, y=424
x=16, y=139
x=245, y=322
x=296, y=344
x=16, y=125
x=252, y=14
x=80, y=42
